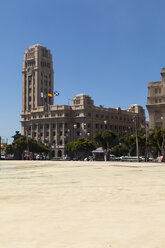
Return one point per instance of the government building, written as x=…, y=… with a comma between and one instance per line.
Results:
x=56, y=125
x=156, y=103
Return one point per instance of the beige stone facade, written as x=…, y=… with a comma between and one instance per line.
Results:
x=55, y=125
x=37, y=77
x=156, y=103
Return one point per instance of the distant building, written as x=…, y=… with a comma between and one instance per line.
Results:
x=55, y=125
x=156, y=103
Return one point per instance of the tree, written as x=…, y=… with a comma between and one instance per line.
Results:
x=19, y=146
x=80, y=148
x=107, y=140
x=16, y=136
x=129, y=142
x=120, y=150
x=142, y=143
x=9, y=149
x=157, y=140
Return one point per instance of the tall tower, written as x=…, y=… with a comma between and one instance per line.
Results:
x=37, y=78
x=156, y=103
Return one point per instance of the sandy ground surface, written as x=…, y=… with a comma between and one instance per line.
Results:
x=82, y=205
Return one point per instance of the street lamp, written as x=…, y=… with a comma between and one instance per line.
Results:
x=146, y=133
x=105, y=123
x=74, y=126
x=27, y=140
x=88, y=134
x=84, y=130
x=137, y=144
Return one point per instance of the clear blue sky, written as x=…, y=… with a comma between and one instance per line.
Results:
x=108, y=49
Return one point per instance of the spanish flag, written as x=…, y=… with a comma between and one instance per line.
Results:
x=50, y=95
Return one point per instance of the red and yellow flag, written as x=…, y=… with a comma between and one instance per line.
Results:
x=50, y=95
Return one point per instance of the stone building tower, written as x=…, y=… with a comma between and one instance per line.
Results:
x=156, y=103
x=37, y=77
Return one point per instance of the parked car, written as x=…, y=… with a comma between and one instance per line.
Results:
x=3, y=157
x=113, y=158
x=9, y=157
x=147, y=159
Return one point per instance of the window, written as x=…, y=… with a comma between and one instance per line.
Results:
x=30, y=98
x=97, y=116
x=77, y=101
x=157, y=90
x=78, y=125
x=60, y=125
x=54, y=125
x=54, y=133
x=89, y=114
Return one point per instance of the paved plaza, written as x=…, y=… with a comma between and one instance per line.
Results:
x=82, y=204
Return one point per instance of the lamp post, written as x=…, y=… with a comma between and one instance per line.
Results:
x=146, y=143
x=84, y=130
x=137, y=144
x=88, y=134
x=26, y=134
x=74, y=126
x=105, y=123
x=66, y=135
